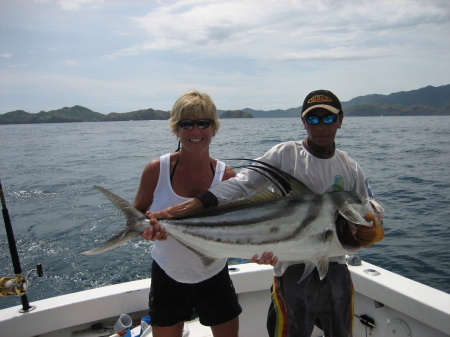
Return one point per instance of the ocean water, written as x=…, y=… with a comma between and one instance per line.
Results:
x=48, y=172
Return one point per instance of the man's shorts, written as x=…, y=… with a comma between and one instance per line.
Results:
x=297, y=307
x=214, y=299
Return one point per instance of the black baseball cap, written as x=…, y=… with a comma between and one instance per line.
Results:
x=321, y=99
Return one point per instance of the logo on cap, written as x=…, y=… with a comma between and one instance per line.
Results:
x=319, y=99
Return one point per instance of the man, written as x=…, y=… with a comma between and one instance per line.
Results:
x=327, y=303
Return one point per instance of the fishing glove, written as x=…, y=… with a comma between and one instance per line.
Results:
x=354, y=235
x=367, y=236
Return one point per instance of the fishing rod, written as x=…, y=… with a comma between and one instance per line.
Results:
x=15, y=286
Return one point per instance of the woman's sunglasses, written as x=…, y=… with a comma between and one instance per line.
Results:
x=188, y=124
x=328, y=119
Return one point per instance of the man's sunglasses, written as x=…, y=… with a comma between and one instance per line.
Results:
x=328, y=119
x=188, y=124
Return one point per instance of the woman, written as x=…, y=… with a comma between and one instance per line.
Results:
x=180, y=282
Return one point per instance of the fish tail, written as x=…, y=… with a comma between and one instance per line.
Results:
x=128, y=233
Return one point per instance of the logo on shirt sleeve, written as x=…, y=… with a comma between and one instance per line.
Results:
x=369, y=189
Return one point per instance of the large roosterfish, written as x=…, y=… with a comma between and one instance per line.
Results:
x=296, y=225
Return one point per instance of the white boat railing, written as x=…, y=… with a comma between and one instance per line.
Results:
x=398, y=306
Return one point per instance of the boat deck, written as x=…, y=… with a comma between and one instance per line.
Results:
x=191, y=329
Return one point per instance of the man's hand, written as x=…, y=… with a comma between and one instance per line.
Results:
x=185, y=208
x=158, y=232
x=266, y=258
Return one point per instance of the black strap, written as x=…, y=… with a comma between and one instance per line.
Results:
x=174, y=168
x=176, y=164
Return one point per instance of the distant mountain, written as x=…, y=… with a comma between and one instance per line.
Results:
x=292, y=112
x=78, y=114
x=431, y=96
x=235, y=114
x=65, y=115
x=139, y=115
x=382, y=109
x=421, y=102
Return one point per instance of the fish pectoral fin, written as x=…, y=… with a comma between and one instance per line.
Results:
x=321, y=265
x=113, y=242
x=206, y=260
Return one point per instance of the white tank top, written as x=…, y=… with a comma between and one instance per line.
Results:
x=179, y=262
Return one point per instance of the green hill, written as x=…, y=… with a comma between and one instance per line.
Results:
x=431, y=96
x=235, y=114
x=65, y=115
x=148, y=114
x=382, y=109
x=421, y=102
x=75, y=112
x=78, y=114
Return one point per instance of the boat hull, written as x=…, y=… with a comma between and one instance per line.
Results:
x=399, y=306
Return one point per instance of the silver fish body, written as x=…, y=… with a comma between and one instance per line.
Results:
x=300, y=226
x=297, y=228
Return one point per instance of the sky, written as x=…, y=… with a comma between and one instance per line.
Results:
x=127, y=55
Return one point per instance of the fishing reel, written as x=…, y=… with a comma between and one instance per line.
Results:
x=18, y=285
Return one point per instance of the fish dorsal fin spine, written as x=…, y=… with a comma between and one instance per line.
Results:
x=261, y=195
x=288, y=184
x=284, y=182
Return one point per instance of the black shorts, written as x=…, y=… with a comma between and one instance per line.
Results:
x=214, y=299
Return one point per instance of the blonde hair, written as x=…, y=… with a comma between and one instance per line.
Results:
x=193, y=105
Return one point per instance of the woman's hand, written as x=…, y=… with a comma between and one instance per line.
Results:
x=156, y=232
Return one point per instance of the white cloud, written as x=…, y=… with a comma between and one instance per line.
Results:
x=261, y=54
x=71, y=63
x=76, y=5
x=267, y=29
